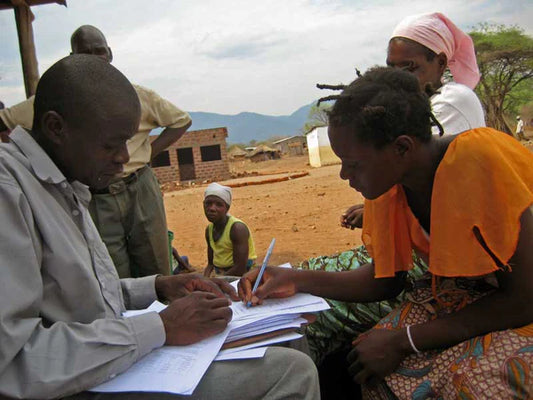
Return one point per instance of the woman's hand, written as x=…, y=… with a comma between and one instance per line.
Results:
x=376, y=354
x=276, y=282
x=353, y=217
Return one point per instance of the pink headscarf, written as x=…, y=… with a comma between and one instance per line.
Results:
x=439, y=34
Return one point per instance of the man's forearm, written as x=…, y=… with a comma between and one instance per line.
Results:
x=168, y=137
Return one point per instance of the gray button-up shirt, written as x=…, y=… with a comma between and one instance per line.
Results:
x=61, y=300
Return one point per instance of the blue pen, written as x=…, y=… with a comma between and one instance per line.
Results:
x=262, y=270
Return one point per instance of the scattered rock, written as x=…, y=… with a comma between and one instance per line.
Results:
x=321, y=194
x=294, y=228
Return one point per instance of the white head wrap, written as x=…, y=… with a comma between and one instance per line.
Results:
x=216, y=189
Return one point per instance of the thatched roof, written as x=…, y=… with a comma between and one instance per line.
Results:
x=262, y=149
x=236, y=152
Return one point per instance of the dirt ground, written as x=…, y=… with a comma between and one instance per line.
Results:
x=302, y=213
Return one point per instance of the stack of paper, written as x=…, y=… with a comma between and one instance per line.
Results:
x=179, y=369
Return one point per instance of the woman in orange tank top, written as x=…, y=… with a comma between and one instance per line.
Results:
x=464, y=204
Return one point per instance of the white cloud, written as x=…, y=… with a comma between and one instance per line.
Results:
x=243, y=55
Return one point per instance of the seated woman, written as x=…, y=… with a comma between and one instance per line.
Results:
x=464, y=204
x=230, y=247
x=438, y=54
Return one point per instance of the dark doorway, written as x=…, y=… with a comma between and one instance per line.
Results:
x=186, y=164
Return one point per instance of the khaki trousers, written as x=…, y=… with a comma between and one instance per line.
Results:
x=281, y=374
x=131, y=221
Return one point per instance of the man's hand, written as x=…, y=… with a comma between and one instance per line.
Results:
x=177, y=286
x=376, y=354
x=353, y=217
x=195, y=317
x=276, y=283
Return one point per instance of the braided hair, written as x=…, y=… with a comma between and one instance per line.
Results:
x=381, y=105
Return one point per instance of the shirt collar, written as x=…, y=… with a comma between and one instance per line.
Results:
x=42, y=165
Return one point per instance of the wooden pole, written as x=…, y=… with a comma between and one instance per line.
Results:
x=24, y=18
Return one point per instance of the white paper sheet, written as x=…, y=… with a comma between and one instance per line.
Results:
x=277, y=339
x=179, y=369
x=173, y=369
x=224, y=355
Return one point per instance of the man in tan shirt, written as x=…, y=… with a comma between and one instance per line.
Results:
x=129, y=213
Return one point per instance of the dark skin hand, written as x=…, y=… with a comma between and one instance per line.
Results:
x=376, y=354
x=353, y=217
x=176, y=286
x=198, y=307
x=194, y=317
x=356, y=286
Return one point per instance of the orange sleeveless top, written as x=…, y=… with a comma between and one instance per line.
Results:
x=484, y=180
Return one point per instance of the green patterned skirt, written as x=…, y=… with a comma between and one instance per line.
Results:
x=335, y=329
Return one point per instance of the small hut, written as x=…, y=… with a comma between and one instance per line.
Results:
x=237, y=154
x=264, y=153
x=293, y=146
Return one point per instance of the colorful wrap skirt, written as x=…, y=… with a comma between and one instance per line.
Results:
x=498, y=365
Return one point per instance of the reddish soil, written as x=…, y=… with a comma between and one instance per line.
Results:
x=301, y=213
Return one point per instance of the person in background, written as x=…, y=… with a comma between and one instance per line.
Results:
x=464, y=329
x=129, y=213
x=429, y=46
x=61, y=325
x=520, y=128
x=230, y=246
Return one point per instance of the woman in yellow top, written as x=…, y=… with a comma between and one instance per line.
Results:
x=230, y=247
x=463, y=203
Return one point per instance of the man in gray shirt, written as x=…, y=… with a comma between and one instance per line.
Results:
x=61, y=330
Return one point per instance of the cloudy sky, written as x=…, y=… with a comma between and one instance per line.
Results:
x=237, y=55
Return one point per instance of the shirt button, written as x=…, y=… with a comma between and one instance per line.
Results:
x=75, y=213
x=64, y=185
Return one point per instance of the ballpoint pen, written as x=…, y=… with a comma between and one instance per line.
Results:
x=262, y=270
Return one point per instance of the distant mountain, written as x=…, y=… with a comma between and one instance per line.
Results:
x=247, y=126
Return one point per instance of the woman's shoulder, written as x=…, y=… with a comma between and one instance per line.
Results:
x=454, y=89
x=459, y=96
x=477, y=149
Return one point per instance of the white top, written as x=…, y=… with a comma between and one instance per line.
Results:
x=519, y=126
x=457, y=108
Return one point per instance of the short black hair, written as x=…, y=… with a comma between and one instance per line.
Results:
x=81, y=33
x=381, y=105
x=82, y=86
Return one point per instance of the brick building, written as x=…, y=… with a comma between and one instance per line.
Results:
x=198, y=155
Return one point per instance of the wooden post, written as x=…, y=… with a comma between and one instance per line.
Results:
x=24, y=17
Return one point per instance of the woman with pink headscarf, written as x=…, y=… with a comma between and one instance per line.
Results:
x=427, y=45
